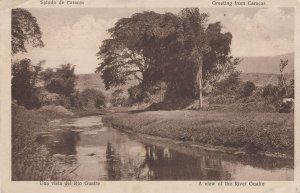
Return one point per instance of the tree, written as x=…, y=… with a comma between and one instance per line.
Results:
x=194, y=22
x=137, y=48
x=92, y=97
x=24, y=30
x=118, y=98
x=25, y=77
x=283, y=64
x=217, y=62
x=176, y=49
x=61, y=81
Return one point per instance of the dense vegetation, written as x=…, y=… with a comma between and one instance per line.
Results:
x=180, y=50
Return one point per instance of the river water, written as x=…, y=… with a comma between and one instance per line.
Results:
x=87, y=150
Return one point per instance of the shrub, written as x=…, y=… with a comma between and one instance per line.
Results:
x=138, y=94
x=118, y=98
x=246, y=89
x=274, y=95
x=222, y=99
x=230, y=84
x=92, y=98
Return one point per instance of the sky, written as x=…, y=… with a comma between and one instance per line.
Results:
x=75, y=35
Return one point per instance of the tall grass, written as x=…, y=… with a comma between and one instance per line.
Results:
x=30, y=160
x=251, y=131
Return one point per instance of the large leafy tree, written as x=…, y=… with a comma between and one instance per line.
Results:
x=137, y=48
x=218, y=63
x=24, y=31
x=180, y=50
x=61, y=81
x=196, y=41
x=25, y=77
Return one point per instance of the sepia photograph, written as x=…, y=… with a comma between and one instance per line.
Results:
x=152, y=94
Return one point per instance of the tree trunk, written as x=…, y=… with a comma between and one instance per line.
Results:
x=199, y=77
x=283, y=84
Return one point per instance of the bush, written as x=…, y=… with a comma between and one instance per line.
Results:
x=230, y=84
x=222, y=99
x=118, y=98
x=246, y=89
x=92, y=98
x=138, y=94
x=274, y=95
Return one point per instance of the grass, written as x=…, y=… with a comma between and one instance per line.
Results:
x=252, y=132
x=30, y=160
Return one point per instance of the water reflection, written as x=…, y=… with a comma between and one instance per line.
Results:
x=112, y=164
x=164, y=164
x=60, y=142
x=106, y=154
x=65, y=143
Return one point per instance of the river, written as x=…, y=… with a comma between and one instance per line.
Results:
x=87, y=150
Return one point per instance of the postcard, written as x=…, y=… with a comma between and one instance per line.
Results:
x=149, y=96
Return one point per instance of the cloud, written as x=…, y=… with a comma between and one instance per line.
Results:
x=267, y=32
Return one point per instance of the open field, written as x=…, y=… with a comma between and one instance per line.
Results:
x=248, y=132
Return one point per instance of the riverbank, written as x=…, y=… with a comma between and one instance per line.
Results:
x=252, y=133
x=30, y=160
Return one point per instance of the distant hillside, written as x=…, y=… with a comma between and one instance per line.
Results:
x=85, y=81
x=266, y=64
x=94, y=81
x=262, y=79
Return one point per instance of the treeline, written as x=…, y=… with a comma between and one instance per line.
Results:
x=33, y=87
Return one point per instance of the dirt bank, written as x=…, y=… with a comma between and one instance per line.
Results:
x=248, y=132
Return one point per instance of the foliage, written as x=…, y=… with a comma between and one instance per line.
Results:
x=25, y=77
x=274, y=95
x=152, y=47
x=30, y=160
x=291, y=89
x=271, y=92
x=230, y=84
x=282, y=79
x=246, y=89
x=146, y=93
x=24, y=30
x=136, y=94
x=118, y=98
x=92, y=98
x=60, y=81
